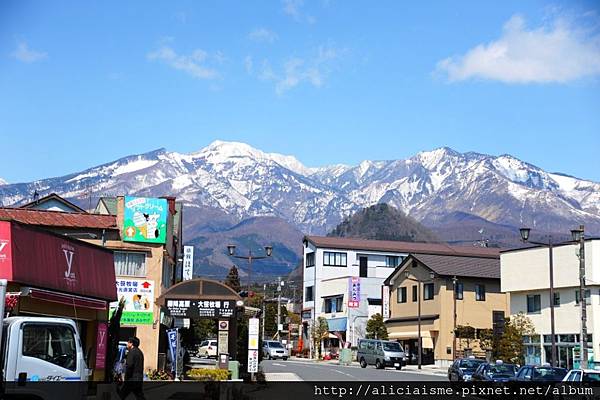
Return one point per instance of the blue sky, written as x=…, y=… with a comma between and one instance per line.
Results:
x=328, y=81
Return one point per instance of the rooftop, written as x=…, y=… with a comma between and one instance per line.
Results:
x=401, y=247
x=58, y=218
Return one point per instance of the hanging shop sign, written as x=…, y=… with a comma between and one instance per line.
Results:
x=200, y=308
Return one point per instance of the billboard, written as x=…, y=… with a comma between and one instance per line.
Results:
x=354, y=295
x=139, y=301
x=145, y=220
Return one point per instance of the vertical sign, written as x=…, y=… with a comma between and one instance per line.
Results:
x=385, y=297
x=188, y=262
x=101, y=345
x=172, y=337
x=354, y=295
x=5, y=250
x=253, y=345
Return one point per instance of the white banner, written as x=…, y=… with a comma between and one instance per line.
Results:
x=188, y=262
x=252, y=361
x=385, y=297
x=253, y=334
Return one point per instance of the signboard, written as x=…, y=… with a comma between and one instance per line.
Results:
x=101, y=339
x=145, y=220
x=188, y=262
x=5, y=245
x=306, y=314
x=253, y=326
x=201, y=308
x=223, y=342
x=224, y=325
x=252, y=361
x=172, y=337
x=385, y=297
x=354, y=297
x=139, y=301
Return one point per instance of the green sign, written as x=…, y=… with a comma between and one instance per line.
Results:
x=139, y=301
x=135, y=318
x=145, y=220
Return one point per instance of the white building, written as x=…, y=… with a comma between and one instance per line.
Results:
x=332, y=269
x=525, y=276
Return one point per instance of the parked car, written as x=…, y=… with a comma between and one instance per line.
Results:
x=272, y=349
x=495, y=372
x=582, y=375
x=537, y=373
x=381, y=353
x=462, y=369
x=208, y=348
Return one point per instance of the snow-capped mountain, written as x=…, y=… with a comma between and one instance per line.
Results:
x=243, y=182
x=3, y=182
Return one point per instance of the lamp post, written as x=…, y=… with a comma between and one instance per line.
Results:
x=249, y=258
x=525, y=237
x=578, y=236
x=419, y=338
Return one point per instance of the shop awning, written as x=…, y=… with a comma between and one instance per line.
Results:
x=66, y=299
x=426, y=338
x=337, y=324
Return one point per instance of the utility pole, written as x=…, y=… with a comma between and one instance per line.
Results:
x=264, y=310
x=454, y=282
x=583, y=351
x=278, y=307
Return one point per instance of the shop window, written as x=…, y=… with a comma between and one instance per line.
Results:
x=51, y=343
x=130, y=263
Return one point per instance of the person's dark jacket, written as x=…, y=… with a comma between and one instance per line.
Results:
x=134, y=365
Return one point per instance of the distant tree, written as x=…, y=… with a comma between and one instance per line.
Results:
x=485, y=337
x=510, y=346
x=376, y=328
x=319, y=332
x=233, y=279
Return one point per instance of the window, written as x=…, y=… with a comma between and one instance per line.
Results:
x=556, y=299
x=428, y=291
x=129, y=263
x=310, y=259
x=459, y=290
x=334, y=304
x=588, y=294
x=401, y=294
x=308, y=294
x=480, y=292
x=52, y=343
x=392, y=261
x=534, y=303
x=334, y=259
x=414, y=293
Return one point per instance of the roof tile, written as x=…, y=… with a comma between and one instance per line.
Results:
x=58, y=218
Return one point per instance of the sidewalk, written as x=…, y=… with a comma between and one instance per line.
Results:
x=425, y=369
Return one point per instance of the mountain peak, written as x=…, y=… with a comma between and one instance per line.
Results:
x=3, y=182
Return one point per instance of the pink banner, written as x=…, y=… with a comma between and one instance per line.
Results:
x=101, y=342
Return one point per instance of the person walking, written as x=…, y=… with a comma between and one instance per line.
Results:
x=134, y=371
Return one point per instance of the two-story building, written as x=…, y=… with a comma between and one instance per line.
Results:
x=445, y=291
x=343, y=279
x=525, y=276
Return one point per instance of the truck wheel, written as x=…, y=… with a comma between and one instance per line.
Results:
x=378, y=364
x=363, y=363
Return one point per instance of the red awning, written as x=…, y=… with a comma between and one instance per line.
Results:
x=67, y=299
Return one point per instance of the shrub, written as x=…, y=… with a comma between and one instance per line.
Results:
x=159, y=375
x=205, y=374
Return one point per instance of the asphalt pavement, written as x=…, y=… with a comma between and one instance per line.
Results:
x=307, y=370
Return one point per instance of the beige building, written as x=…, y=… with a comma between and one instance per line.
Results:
x=479, y=302
x=140, y=263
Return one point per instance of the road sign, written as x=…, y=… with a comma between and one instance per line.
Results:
x=253, y=334
x=223, y=343
x=252, y=361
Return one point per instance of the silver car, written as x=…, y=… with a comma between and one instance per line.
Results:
x=273, y=349
x=381, y=353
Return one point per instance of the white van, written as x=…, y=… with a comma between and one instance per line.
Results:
x=380, y=353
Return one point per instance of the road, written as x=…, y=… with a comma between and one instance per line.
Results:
x=314, y=371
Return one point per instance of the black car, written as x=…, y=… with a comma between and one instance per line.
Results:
x=462, y=369
x=495, y=372
x=536, y=373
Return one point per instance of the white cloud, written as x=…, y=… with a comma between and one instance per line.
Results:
x=293, y=8
x=558, y=53
x=296, y=70
x=24, y=54
x=263, y=35
x=248, y=64
x=194, y=64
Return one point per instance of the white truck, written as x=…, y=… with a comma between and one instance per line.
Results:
x=38, y=349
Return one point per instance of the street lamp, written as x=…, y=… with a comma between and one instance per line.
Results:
x=578, y=236
x=525, y=237
x=249, y=258
x=419, y=339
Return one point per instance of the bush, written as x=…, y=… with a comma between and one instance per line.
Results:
x=159, y=375
x=205, y=374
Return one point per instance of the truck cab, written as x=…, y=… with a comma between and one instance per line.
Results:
x=36, y=349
